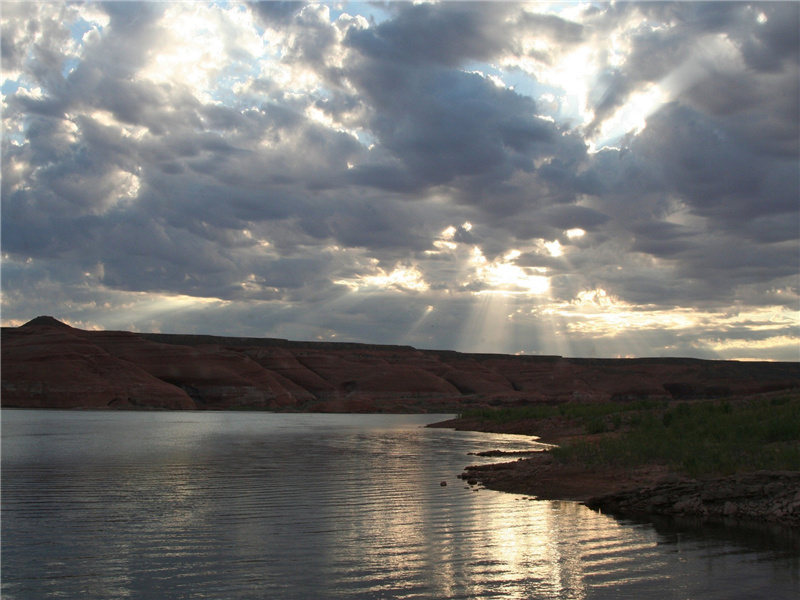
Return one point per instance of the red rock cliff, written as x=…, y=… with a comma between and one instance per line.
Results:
x=46, y=363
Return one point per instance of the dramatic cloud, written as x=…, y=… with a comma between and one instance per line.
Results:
x=577, y=179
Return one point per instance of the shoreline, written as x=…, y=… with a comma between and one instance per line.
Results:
x=540, y=475
x=771, y=497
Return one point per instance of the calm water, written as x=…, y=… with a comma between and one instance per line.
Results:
x=254, y=505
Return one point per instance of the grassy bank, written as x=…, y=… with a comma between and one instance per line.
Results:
x=695, y=438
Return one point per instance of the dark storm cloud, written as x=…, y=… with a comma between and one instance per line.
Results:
x=572, y=216
x=276, y=13
x=443, y=125
x=776, y=44
x=657, y=238
x=718, y=175
x=440, y=124
x=553, y=28
x=205, y=260
x=446, y=124
x=545, y=224
x=446, y=34
x=374, y=223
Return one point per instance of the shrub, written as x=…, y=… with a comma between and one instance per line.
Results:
x=693, y=437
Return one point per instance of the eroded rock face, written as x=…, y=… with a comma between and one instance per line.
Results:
x=212, y=376
x=46, y=363
x=56, y=367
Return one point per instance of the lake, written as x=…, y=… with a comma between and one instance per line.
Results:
x=233, y=505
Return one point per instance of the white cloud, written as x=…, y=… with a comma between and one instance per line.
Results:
x=203, y=48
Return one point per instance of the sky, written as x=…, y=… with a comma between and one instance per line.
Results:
x=577, y=178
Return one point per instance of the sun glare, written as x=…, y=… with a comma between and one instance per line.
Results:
x=632, y=116
x=575, y=233
x=406, y=278
x=194, y=45
x=554, y=248
x=502, y=276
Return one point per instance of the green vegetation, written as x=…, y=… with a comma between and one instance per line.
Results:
x=571, y=410
x=696, y=438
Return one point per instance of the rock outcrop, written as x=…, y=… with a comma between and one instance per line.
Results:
x=46, y=363
x=55, y=366
x=767, y=496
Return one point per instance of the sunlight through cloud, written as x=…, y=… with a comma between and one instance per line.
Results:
x=404, y=278
x=502, y=276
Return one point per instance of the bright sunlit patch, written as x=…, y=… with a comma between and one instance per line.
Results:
x=129, y=185
x=620, y=319
x=197, y=45
x=264, y=243
x=315, y=114
x=104, y=117
x=554, y=248
x=442, y=245
x=721, y=345
x=497, y=81
x=574, y=75
x=598, y=313
x=407, y=278
x=476, y=257
x=596, y=297
x=449, y=233
x=123, y=188
x=137, y=311
x=319, y=116
x=575, y=233
x=294, y=80
x=191, y=54
x=632, y=116
x=502, y=276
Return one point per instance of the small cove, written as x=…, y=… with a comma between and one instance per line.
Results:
x=253, y=505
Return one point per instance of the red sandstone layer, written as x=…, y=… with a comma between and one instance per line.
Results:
x=46, y=363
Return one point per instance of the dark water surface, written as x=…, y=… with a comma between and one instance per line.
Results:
x=257, y=505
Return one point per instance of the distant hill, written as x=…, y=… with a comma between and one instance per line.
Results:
x=47, y=363
x=45, y=321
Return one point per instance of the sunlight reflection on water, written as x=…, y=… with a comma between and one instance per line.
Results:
x=252, y=505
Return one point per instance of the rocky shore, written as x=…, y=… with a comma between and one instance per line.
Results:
x=765, y=496
x=760, y=496
x=545, y=478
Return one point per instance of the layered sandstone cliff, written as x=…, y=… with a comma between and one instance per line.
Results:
x=46, y=363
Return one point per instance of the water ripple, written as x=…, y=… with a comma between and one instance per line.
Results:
x=200, y=505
